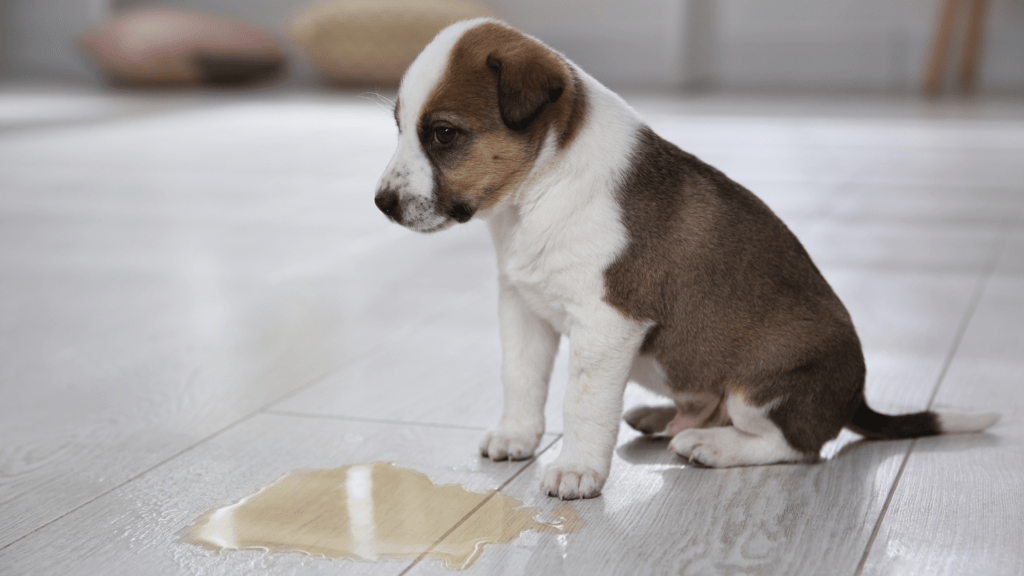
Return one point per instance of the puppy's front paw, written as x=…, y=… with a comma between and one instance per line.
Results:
x=506, y=444
x=569, y=482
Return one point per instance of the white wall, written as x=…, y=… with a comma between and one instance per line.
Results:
x=818, y=45
x=867, y=45
x=633, y=41
x=39, y=37
x=821, y=45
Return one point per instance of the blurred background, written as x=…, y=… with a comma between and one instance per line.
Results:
x=858, y=46
x=198, y=294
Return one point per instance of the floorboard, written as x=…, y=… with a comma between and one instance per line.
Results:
x=138, y=529
x=197, y=295
x=958, y=508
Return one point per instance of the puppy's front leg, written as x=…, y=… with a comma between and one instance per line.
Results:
x=528, y=348
x=600, y=358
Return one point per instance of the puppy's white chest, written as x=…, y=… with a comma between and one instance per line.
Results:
x=559, y=273
x=552, y=292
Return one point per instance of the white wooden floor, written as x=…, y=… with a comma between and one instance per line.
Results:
x=198, y=295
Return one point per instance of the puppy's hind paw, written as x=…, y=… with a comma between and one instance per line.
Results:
x=699, y=447
x=570, y=482
x=506, y=445
x=650, y=420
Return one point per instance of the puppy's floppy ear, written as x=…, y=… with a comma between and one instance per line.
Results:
x=529, y=77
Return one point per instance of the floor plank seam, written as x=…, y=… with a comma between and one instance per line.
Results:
x=369, y=353
x=885, y=508
x=370, y=420
x=264, y=409
x=979, y=289
x=169, y=459
x=493, y=493
x=133, y=478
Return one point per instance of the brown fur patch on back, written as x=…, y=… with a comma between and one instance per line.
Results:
x=505, y=92
x=737, y=303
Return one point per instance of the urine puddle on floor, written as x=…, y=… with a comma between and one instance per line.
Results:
x=373, y=512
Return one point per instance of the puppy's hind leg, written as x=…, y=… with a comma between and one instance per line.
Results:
x=651, y=420
x=690, y=411
x=696, y=411
x=752, y=439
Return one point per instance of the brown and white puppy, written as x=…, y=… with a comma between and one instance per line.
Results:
x=657, y=267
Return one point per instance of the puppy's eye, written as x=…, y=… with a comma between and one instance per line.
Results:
x=444, y=135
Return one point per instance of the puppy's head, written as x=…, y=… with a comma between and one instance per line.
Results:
x=474, y=111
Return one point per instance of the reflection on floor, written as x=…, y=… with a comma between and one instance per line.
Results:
x=198, y=297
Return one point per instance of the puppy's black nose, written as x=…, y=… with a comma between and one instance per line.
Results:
x=387, y=201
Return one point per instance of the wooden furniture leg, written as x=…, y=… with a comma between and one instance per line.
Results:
x=972, y=45
x=940, y=46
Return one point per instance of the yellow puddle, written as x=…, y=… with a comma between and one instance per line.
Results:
x=373, y=512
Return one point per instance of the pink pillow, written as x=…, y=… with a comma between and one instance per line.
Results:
x=164, y=46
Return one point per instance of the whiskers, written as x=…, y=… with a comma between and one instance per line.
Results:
x=384, y=103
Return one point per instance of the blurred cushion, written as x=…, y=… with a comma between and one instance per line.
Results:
x=372, y=42
x=175, y=47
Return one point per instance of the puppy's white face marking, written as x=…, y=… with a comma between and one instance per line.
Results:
x=410, y=175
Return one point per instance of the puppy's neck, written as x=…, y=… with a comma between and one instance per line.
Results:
x=570, y=199
x=563, y=181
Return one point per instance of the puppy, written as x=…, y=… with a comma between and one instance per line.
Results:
x=657, y=267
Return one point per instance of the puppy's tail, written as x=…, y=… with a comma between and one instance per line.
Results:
x=871, y=424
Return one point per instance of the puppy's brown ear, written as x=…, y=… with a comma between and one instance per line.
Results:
x=529, y=78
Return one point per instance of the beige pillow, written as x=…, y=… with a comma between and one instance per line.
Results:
x=174, y=47
x=372, y=42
